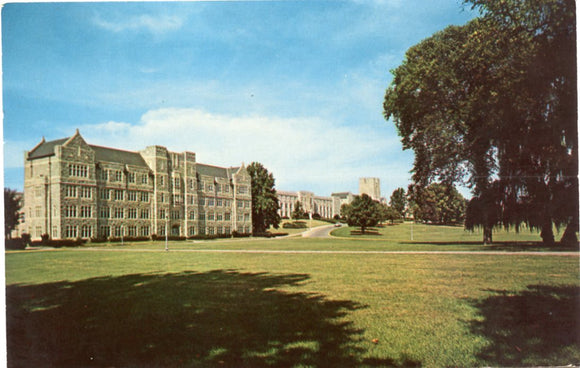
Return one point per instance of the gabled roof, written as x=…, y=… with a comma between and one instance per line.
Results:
x=105, y=154
x=215, y=171
x=45, y=149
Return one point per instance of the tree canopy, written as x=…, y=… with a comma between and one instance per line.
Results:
x=492, y=104
x=12, y=207
x=264, y=199
x=438, y=204
x=398, y=201
x=363, y=212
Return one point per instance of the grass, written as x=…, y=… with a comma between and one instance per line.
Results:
x=159, y=309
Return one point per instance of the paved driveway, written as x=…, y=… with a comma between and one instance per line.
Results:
x=319, y=232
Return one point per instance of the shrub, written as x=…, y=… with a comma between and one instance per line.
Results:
x=295, y=225
x=14, y=244
x=44, y=238
x=26, y=239
x=236, y=234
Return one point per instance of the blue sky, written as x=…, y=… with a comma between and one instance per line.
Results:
x=295, y=85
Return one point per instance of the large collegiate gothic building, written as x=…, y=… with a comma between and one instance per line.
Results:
x=73, y=189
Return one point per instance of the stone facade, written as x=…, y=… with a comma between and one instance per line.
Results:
x=310, y=204
x=73, y=189
x=370, y=187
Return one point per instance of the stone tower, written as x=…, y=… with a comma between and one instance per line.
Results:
x=370, y=187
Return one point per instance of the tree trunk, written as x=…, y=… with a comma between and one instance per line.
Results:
x=362, y=229
x=569, y=238
x=487, y=234
x=547, y=233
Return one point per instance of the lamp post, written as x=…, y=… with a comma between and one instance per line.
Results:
x=166, y=223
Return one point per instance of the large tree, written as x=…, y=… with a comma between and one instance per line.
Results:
x=12, y=207
x=363, y=212
x=264, y=200
x=398, y=201
x=438, y=203
x=493, y=104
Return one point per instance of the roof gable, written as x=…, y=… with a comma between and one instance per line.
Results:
x=105, y=154
x=45, y=149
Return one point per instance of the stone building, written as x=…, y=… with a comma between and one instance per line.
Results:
x=73, y=189
x=370, y=187
x=310, y=203
x=338, y=199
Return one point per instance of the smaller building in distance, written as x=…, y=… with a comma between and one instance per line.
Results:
x=310, y=203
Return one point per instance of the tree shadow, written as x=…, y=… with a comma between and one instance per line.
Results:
x=538, y=326
x=220, y=318
x=512, y=246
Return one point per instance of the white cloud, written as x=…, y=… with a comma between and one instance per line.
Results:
x=302, y=153
x=155, y=24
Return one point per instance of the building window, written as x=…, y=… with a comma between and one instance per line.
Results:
x=86, y=231
x=70, y=211
x=175, y=215
x=162, y=197
x=162, y=213
x=131, y=177
x=161, y=180
x=144, y=196
x=210, y=216
x=210, y=202
x=227, y=216
x=161, y=230
x=70, y=231
x=71, y=191
x=86, y=192
x=242, y=189
x=144, y=213
x=191, y=231
x=132, y=231
x=132, y=196
x=202, y=216
x=246, y=217
x=119, y=213
x=210, y=230
x=144, y=179
x=240, y=204
x=177, y=199
x=81, y=171
x=227, y=230
x=105, y=231
x=86, y=211
x=104, y=212
x=247, y=204
x=190, y=199
x=104, y=175
x=192, y=215
x=144, y=231
x=226, y=188
x=132, y=213
x=176, y=183
x=118, y=195
x=219, y=202
x=190, y=183
x=219, y=217
x=117, y=176
x=220, y=230
x=209, y=187
x=104, y=194
x=118, y=231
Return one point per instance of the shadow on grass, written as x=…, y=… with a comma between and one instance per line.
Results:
x=219, y=318
x=538, y=326
x=513, y=246
x=368, y=231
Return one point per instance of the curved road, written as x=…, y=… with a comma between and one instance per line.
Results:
x=319, y=232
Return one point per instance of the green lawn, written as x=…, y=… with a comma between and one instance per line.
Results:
x=183, y=309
